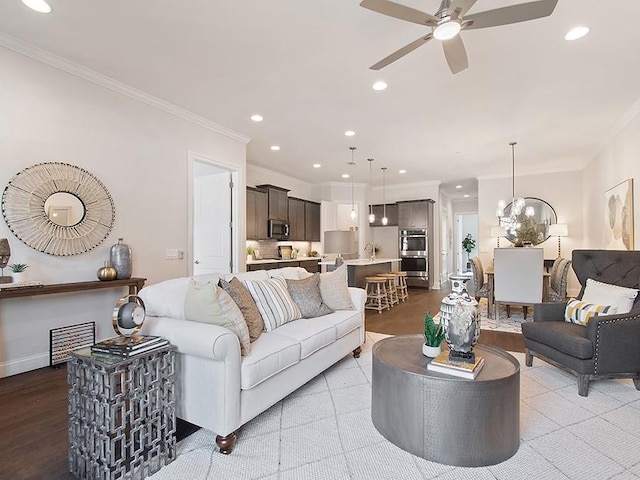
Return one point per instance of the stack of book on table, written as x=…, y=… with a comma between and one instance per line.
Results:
x=442, y=364
x=129, y=346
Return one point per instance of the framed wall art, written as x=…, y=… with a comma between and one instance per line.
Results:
x=618, y=213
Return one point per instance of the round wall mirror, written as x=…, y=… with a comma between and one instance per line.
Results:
x=57, y=208
x=532, y=229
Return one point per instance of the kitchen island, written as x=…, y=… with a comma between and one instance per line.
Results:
x=364, y=267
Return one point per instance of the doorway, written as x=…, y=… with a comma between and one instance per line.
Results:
x=211, y=216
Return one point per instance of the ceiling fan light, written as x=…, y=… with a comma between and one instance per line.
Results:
x=576, y=33
x=446, y=30
x=39, y=6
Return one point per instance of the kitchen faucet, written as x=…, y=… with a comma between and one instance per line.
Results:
x=373, y=251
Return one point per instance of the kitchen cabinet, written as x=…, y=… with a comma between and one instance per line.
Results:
x=278, y=202
x=415, y=214
x=312, y=221
x=392, y=215
x=296, y=219
x=257, y=220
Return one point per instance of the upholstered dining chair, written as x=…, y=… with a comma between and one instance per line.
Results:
x=557, y=290
x=480, y=287
x=607, y=347
x=518, y=277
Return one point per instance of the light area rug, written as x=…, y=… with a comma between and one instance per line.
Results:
x=324, y=431
x=512, y=324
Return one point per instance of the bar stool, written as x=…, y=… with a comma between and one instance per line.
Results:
x=403, y=291
x=392, y=291
x=376, y=294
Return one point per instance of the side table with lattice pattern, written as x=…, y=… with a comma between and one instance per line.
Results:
x=122, y=421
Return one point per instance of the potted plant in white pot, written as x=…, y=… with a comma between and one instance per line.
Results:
x=250, y=251
x=18, y=269
x=434, y=334
x=468, y=244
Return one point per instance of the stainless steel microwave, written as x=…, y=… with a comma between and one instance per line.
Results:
x=279, y=229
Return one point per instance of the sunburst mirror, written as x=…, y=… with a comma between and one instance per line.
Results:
x=57, y=208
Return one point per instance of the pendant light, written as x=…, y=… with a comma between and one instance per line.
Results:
x=372, y=216
x=385, y=220
x=353, y=213
x=512, y=221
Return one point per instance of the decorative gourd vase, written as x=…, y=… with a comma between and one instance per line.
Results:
x=120, y=256
x=431, y=352
x=107, y=273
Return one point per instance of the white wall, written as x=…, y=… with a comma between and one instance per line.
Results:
x=140, y=154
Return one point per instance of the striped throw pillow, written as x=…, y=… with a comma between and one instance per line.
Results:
x=581, y=312
x=274, y=303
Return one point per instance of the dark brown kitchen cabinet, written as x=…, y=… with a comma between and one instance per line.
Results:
x=312, y=221
x=278, y=202
x=296, y=219
x=415, y=214
x=257, y=220
x=392, y=215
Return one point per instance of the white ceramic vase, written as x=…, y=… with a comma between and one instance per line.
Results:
x=431, y=352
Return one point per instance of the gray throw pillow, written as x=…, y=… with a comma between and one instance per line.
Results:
x=244, y=300
x=306, y=294
x=334, y=289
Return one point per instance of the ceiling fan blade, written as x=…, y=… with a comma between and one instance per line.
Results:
x=459, y=8
x=401, y=12
x=456, y=54
x=398, y=54
x=512, y=14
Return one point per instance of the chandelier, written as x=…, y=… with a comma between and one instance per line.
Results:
x=513, y=220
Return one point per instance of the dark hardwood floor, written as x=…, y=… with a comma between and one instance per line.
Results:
x=33, y=405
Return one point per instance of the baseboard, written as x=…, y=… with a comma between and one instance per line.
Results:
x=23, y=365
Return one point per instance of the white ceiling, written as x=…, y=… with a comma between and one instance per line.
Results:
x=303, y=65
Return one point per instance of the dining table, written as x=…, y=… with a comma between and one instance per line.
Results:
x=546, y=281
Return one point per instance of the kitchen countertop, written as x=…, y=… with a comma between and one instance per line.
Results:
x=281, y=260
x=362, y=261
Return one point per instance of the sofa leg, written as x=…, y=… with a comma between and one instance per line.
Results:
x=356, y=352
x=583, y=385
x=636, y=382
x=528, y=357
x=227, y=442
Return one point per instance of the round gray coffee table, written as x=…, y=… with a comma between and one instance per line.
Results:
x=446, y=419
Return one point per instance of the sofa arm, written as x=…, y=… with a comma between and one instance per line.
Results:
x=194, y=338
x=615, y=339
x=358, y=297
x=549, y=312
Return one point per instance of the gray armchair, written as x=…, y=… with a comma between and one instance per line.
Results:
x=480, y=288
x=609, y=346
x=557, y=291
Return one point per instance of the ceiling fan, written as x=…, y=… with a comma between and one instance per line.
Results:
x=449, y=20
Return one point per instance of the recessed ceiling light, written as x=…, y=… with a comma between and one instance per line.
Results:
x=458, y=187
x=345, y=175
x=466, y=195
x=576, y=33
x=380, y=85
x=275, y=148
x=316, y=165
x=401, y=172
x=39, y=6
x=349, y=133
x=257, y=118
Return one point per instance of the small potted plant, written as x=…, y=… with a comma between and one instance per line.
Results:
x=434, y=334
x=250, y=251
x=468, y=244
x=18, y=270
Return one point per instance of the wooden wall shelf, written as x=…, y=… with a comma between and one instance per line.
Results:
x=134, y=284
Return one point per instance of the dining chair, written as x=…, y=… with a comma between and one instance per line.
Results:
x=518, y=277
x=557, y=291
x=480, y=288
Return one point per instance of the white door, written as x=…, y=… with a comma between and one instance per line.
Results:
x=212, y=229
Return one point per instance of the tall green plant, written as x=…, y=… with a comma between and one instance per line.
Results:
x=434, y=333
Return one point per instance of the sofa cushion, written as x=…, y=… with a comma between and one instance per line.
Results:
x=607, y=294
x=273, y=301
x=208, y=303
x=568, y=338
x=334, y=289
x=345, y=321
x=166, y=299
x=306, y=294
x=581, y=312
x=254, y=275
x=247, y=306
x=310, y=334
x=288, y=273
x=270, y=354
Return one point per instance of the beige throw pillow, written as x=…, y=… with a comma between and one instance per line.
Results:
x=334, y=289
x=274, y=302
x=247, y=306
x=208, y=303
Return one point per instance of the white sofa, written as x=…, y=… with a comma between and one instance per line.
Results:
x=220, y=390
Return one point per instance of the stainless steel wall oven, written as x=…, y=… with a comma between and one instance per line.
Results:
x=414, y=256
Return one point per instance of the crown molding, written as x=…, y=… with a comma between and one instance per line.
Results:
x=85, y=73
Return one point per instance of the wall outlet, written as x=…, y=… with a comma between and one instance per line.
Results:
x=173, y=254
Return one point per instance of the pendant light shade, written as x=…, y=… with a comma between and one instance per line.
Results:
x=512, y=221
x=353, y=213
x=385, y=220
x=372, y=216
